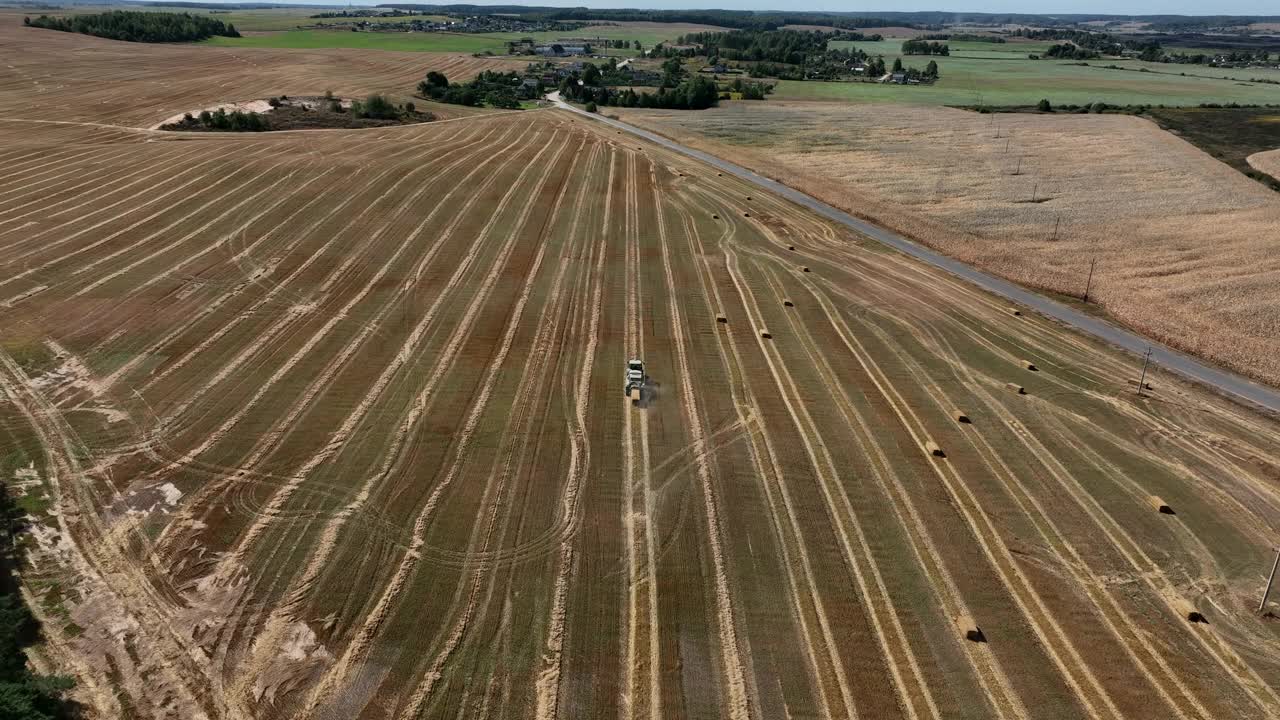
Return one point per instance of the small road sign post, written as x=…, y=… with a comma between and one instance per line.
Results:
x=1143, y=380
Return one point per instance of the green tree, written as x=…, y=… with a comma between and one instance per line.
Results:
x=377, y=107
x=931, y=70
x=23, y=694
x=672, y=72
x=897, y=64
x=1044, y=106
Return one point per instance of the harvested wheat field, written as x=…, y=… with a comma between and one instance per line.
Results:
x=1184, y=244
x=331, y=425
x=50, y=75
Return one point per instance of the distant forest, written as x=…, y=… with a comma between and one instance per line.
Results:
x=738, y=19
x=151, y=27
x=770, y=20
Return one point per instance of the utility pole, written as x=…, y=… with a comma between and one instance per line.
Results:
x=1018, y=170
x=1006, y=145
x=1055, y=237
x=1270, y=578
x=1034, y=187
x=1087, y=283
x=1142, y=380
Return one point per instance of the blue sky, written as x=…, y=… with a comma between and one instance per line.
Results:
x=1113, y=7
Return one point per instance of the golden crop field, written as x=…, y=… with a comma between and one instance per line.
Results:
x=1184, y=245
x=331, y=424
x=1268, y=162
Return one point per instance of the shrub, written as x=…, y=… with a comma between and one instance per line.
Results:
x=591, y=107
x=376, y=107
x=437, y=79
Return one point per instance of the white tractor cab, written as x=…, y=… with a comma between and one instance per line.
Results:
x=636, y=381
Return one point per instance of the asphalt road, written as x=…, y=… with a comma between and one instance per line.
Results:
x=1162, y=357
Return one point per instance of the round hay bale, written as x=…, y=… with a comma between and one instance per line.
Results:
x=722, y=319
x=1016, y=388
x=746, y=214
x=1189, y=612
x=804, y=269
x=1159, y=505
x=1030, y=366
x=788, y=303
x=1015, y=311
x=933, y=449
x=969, y=629
x=961, y=417
x=715, y=217
x=766, y=334
x=791, y=247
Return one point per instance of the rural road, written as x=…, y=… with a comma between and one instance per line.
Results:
x=1161, y=356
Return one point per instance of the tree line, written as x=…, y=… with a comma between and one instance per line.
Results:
x=738, y=19
x=130, y=26
x=925, y=47
x=1067, y=51
x=782, y=46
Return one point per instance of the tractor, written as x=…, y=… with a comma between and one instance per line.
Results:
x=636, y=381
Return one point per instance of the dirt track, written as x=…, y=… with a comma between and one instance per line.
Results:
x=335, y=428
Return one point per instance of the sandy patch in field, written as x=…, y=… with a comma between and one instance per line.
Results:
x=255, y=106
x=1267, y=162
x=1184, y=244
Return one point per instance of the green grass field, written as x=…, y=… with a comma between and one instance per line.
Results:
x=447, y=42
x=994, y=74
x=414, y=42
